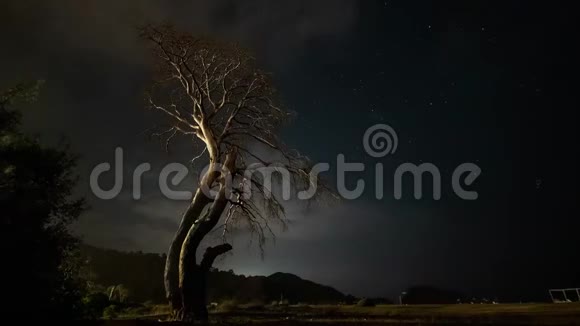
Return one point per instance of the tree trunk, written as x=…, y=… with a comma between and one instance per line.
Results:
x=192, y=276
x=193, y=213
x=194, y=285
x=193, y=292
x=171, y=275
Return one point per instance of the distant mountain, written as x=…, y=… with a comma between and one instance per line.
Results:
x=270, y=288
x=142, y=275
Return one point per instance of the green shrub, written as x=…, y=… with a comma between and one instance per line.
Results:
x=94, y=304
x=111, y=312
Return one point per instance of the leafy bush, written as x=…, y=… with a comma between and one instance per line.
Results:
x=119, y=293
x=94, y=305
x=111, y=312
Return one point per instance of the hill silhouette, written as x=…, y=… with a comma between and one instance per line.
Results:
x=141, y=274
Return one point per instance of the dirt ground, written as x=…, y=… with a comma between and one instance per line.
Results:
x=466, y=314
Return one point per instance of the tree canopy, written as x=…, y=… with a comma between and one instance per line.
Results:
x=36, y=183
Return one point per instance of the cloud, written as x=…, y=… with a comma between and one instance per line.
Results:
x=272, y=27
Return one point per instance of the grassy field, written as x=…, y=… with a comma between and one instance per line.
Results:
x=465, y=314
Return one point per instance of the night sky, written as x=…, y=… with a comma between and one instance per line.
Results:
x=489, y=82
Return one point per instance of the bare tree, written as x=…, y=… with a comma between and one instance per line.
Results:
x=212, y=93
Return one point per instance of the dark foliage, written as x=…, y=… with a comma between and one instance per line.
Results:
x=140, y=273
x=41, y=261
x=95, y=304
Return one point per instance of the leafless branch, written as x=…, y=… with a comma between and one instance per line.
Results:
x=214, y=91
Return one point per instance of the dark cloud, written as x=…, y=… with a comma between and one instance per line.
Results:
x=108, y=27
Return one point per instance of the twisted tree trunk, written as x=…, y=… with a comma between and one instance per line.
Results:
x=185, y=279
x=171, y=275
x=192, y=277
x=194, y=285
